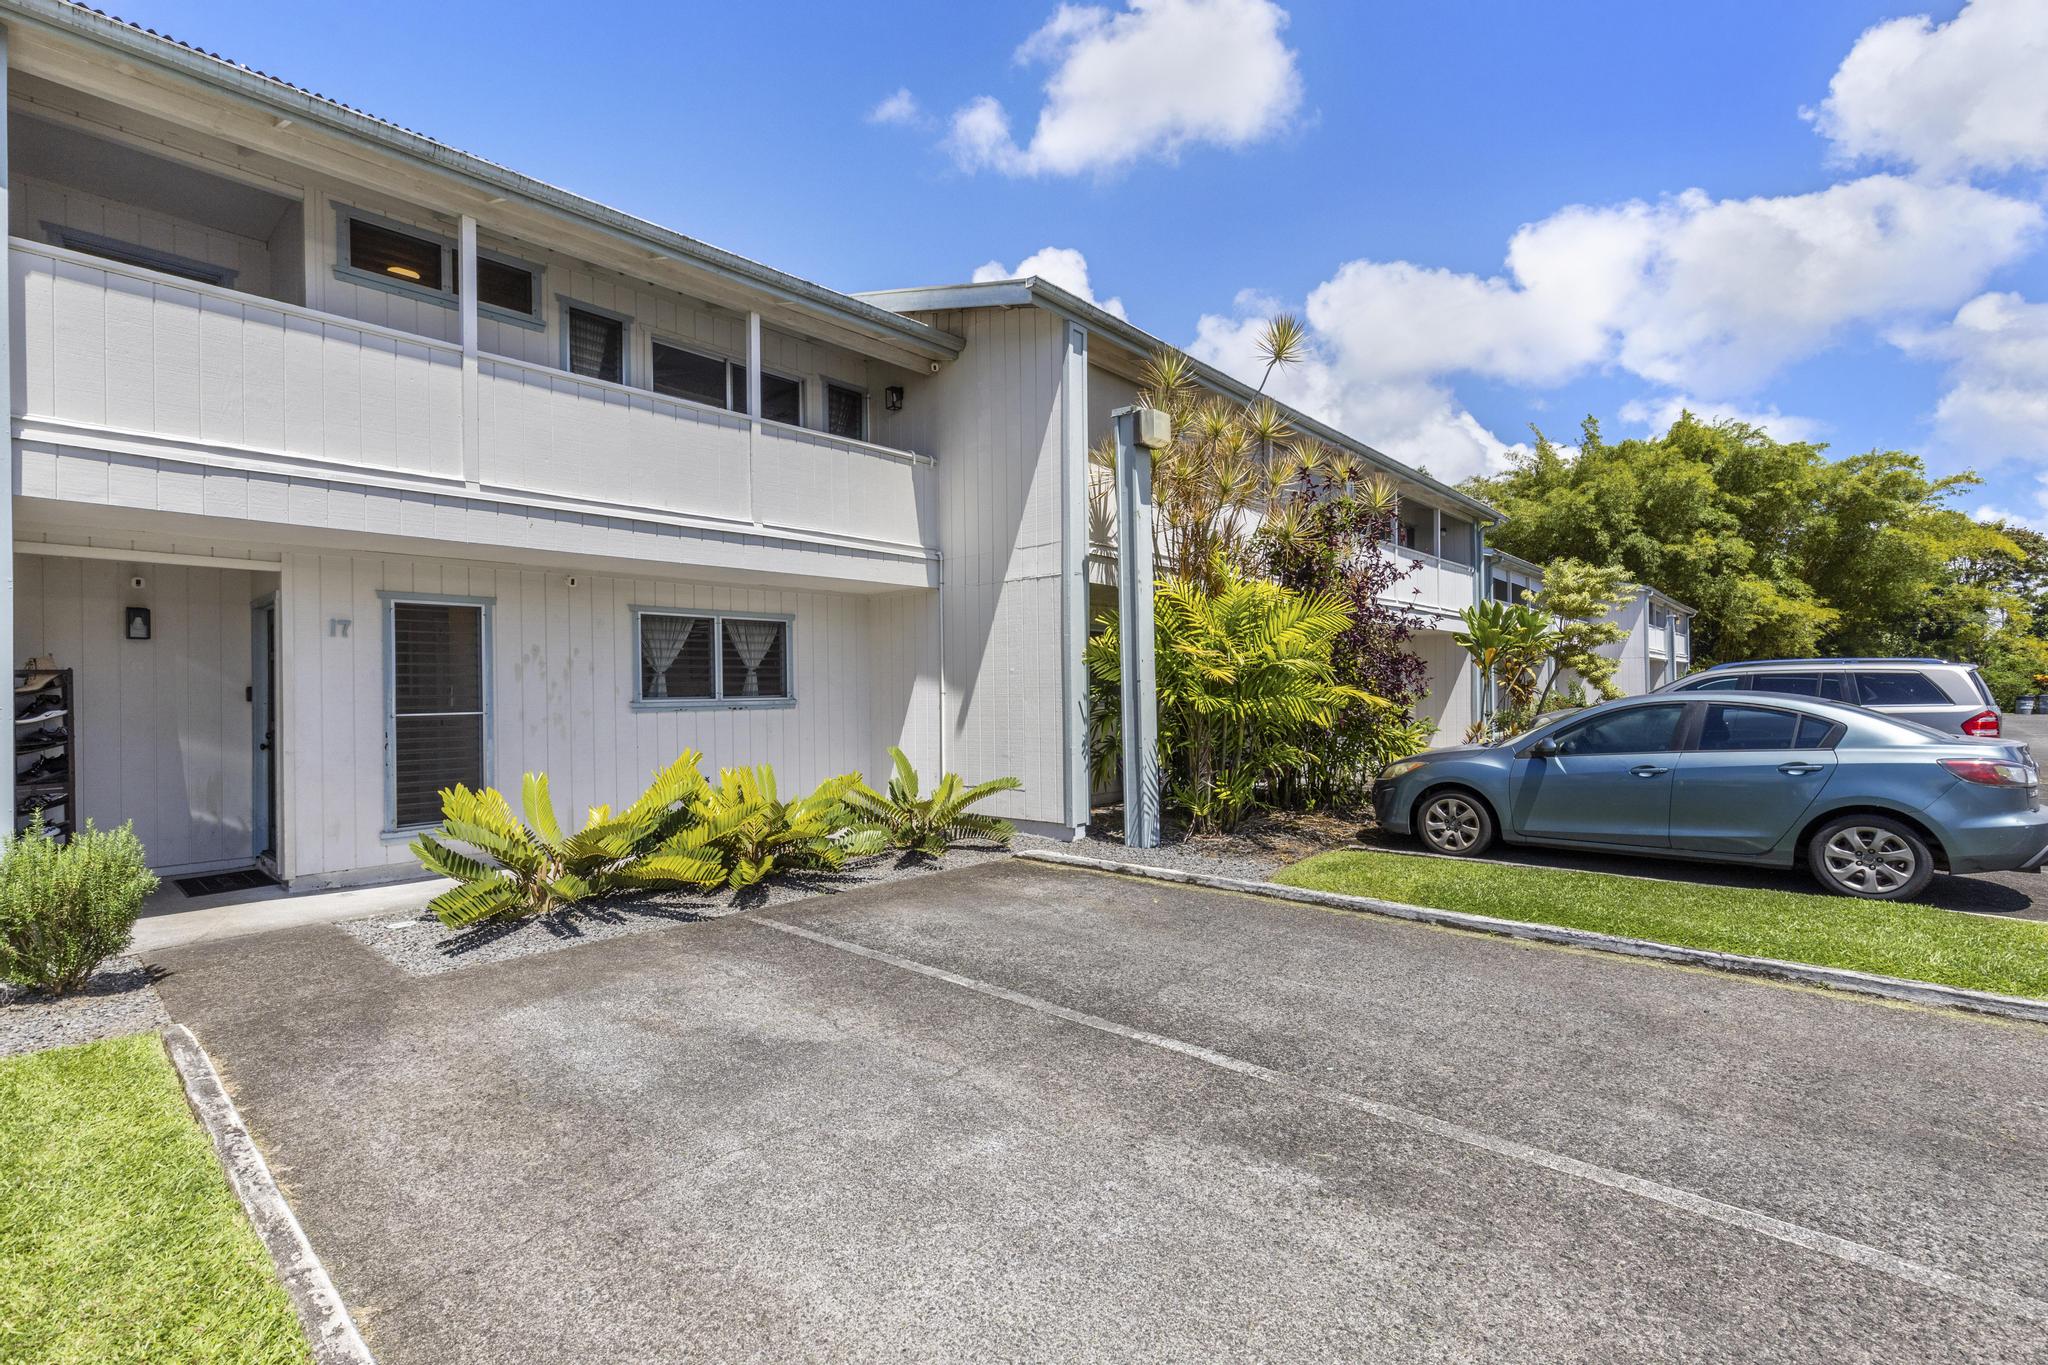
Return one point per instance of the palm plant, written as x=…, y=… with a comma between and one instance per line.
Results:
x=762, y=834
x=518, y=868
x=928, y=825
x=1247, y=691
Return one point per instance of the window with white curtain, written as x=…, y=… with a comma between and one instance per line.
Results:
x=691, y=658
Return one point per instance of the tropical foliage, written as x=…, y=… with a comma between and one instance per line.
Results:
x=1580, y=600
x=1511, y=644
x=516, y=869
x=1247, y=691
x=926, y=825
x=759, y=833
x=66, y=907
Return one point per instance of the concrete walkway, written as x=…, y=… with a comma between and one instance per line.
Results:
x=170, y=917
x=1023, y=1112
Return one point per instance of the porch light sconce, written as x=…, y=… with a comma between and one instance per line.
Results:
x=892, y=398
x=138, y=623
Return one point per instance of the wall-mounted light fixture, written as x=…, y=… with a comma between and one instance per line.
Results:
x=138, y=623
x=892, y=398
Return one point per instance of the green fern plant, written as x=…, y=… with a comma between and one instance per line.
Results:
x=527, y=868
x=761, y=834
x=929, y=825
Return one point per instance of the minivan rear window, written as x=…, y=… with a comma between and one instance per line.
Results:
x=1899, y=689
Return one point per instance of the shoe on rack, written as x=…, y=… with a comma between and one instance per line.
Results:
x=39, y=709
x=48, y=768
x=36, y=741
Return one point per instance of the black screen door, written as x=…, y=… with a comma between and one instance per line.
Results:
x=437, y=706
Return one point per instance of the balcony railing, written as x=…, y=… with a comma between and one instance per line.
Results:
x=105, y=348
x=1432, y=583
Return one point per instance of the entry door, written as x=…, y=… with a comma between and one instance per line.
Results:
x=1608, y=783
x=1754, y=771
x=263, y=692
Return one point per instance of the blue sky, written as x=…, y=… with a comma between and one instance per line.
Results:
x=1865, y=261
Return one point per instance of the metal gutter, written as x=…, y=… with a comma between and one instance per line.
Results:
x=1036, y=292
x=281, y=97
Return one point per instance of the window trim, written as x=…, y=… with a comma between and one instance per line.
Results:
x=351, y=273
x=867, y=405
x=718, y=701
x=537, y=320
x=387, y=601
x=121, y=251
x=627, y=377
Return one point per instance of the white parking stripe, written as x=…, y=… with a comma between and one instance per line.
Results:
x=1827, y=1244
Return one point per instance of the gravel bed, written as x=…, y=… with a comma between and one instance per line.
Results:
x=419, y=945
x=1182, y=856
x=120, y=998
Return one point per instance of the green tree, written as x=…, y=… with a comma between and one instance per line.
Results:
x=1581, y=598
x=1782, y=550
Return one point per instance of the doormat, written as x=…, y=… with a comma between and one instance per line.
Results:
x=214, y=883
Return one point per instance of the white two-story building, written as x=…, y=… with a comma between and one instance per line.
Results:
x=347, y=466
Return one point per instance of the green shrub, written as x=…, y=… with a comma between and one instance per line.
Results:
x=660, y=842
x=65, y=907
x=929, y=825
x=762, y=834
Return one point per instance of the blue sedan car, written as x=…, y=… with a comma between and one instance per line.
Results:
x=1870, y=804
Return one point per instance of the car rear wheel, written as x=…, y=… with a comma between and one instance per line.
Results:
x=1454, y=822
x=1870, y=857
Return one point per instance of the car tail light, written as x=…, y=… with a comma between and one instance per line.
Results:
x=1983, y=725
x=1991, y=772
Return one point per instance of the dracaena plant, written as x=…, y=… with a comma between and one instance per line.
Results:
x=927, y=825
x=519, y=868
x=761, y=834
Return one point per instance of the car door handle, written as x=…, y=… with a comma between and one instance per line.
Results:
x=1648, y=770
x=1798, y=769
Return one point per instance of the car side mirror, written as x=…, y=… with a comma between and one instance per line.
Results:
x=1542, y=748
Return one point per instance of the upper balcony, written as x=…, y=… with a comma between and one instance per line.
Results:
x=174, y=312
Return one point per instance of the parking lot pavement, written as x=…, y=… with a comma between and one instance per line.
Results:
x=1027, y=1112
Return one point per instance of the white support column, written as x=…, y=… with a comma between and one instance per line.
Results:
x=754, y=366
x=1074, y=548
x=13, y=456
x=1139, y=431
x=472, y=425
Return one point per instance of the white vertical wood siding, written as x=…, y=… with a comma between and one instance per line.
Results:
x=33, y=201
x=1452, y=700
x=999, y=523
x=108, y=345
x=1442, y=584
x=163, y=724
x=563, y=669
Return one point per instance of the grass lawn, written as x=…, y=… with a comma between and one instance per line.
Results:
x=1913, y=941
x=120, y=1239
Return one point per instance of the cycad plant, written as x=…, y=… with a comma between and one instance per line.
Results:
x=759, y=833
x=929, y=825
x=1247, y=691
x=661, y=842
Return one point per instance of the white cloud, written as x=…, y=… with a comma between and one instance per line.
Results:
x=1690, y=292
x=1946, y=97
x=1995, y=405
x=1060, y=265
x=1414, y=420
x=1655, y=416
x=1137, y=83
x=900, y=108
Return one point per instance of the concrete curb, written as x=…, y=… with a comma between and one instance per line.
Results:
x=1831, y=978
x=329, y=1330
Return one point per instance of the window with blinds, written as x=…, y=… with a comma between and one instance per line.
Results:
x=438, y=699
x=685, y=374
x=687, y=658
x=597, y=345
x=846, y=412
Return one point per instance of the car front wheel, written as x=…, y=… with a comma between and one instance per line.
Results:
x=1870, y=857
x=1454, y=822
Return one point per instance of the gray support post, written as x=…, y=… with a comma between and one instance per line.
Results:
x=13, y=455
x=1074, y=572
x=472, y=419
x=1139, y=431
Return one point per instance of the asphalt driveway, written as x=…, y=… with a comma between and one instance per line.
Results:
x=1026, y=1112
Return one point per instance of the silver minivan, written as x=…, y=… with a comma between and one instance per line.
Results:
x=1937, y=693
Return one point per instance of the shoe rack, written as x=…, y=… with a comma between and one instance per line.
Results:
x=45, y=766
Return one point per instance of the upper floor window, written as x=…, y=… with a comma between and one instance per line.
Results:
x=782, y=398
x=846, y=412
x=414, y=261
x=1658, y=617
x=593, y=344
x=700, y=378
x=129, y=253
